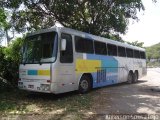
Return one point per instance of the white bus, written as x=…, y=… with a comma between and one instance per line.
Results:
x=60, y=59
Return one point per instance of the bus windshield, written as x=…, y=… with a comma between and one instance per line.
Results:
x=40, y=48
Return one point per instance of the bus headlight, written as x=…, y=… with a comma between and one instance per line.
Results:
x=45, y=87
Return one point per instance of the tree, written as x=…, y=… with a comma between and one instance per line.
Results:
x=149, y=54
x=136, y=43
x=153, y=52
x=2, y=23
x=5, y=26
x=2, y=62
x=13, y=51
x=10, y=58
x=102, y=17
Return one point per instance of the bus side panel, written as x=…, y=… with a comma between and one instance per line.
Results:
x=131, y=64
x=142, y=70
x=128, y=64
x=107, y=73
x=144, y=67
x=107, y=70
x=122, y=69
x=104, y=69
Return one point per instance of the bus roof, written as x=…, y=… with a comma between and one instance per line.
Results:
x=86, y=35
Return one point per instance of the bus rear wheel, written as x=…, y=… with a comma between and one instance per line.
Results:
x=135, y=78
x=84, y=84
x=130, y=78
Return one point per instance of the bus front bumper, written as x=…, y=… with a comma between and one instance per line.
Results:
x=34, y=86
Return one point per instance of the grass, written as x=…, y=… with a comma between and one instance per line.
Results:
x=72, y=105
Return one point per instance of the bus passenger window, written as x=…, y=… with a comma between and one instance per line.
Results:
x=136, y=54
x=129, y=53
x=67, y=55
x=112, y=50
x=121, y=51
x=83, y=45
x=142, y=55
x=100, y=48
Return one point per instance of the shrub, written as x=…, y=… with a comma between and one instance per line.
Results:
x=10, y=58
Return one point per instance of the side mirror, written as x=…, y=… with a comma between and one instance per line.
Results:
x=63, y=44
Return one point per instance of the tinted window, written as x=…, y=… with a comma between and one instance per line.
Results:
x=83, y=45
x=47, y=48
x=121, y=51
x=142, y=55
x=67, y=55
x=129, y=52
x=112, y=50
x=136, y=54
x=100, y=48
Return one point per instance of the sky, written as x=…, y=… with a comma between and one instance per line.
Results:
x=147, y=29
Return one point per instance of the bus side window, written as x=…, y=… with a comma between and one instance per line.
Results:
x=83, y=45
x=136, y=54
x=142, y=54
x=121, y=51
x=100, y=48
x=129, y=53
x=112, y=50
x=67, y=55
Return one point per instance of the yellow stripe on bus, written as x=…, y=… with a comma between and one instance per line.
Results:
x=44, y=72
x=87, y=66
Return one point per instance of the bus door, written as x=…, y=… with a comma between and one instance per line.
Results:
x=67, y=65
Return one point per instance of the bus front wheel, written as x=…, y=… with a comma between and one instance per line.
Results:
x=84, y=84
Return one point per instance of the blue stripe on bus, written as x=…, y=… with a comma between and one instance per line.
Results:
x=32, y=72
x=110, y=64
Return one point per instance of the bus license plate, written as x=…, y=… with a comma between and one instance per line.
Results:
x=31, y=86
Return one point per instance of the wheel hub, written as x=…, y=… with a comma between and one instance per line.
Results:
x=84, y=84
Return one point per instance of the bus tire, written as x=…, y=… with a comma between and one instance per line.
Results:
x=135, y=77
x=84, y=84
x=130, y=77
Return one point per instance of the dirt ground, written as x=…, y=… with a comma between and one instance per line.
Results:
x=142, y=98
x=124, y=101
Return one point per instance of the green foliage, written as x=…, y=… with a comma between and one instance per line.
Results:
x=102, y=17
x=2, y=62
x=2, y=17
x=5, y=25
x=3, y=22
x=12, y=52
x=136, y=43
x=9, y=61
x=149, y=53
x=113, y=37
x=153, y=52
